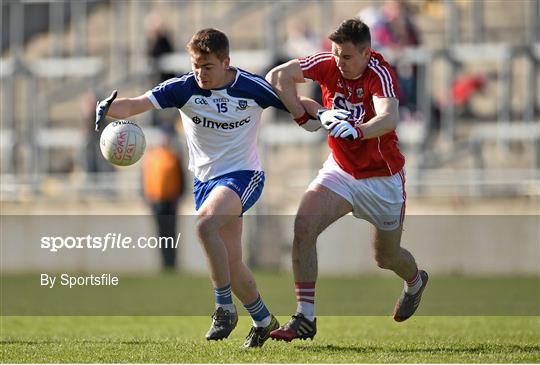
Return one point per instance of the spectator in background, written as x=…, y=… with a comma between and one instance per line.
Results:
x=159, y=44
x=374, y=19
x=397, y=29
x=394, y=28
x=464, y=89
x=163, y=183
x=301, y=40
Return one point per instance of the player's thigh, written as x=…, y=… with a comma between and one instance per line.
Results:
x=386, y=243
x=231, y=234
x=319, y=208
x=220, y=208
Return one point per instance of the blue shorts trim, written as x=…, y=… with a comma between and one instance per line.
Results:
x=247, y=184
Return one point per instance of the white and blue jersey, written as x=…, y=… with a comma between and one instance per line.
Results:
x=221, y=125
x=221, y=128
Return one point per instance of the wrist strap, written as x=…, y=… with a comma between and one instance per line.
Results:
x=360, y=133
x=303, y=119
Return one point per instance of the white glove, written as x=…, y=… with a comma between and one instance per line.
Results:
x=344, y=130
x=332, y=117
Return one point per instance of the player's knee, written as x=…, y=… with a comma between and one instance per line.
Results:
x=304, y=230
x=206, y=226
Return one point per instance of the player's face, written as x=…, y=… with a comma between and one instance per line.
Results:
x=210, y=72
x=351, y=61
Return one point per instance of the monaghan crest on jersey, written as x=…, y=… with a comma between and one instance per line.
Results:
x=242, y=105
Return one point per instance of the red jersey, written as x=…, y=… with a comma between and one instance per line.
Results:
x=360, y=158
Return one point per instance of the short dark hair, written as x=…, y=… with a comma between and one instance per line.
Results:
x=208, y=41
x=352, y=30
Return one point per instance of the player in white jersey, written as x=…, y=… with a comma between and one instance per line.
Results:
x=221, y=109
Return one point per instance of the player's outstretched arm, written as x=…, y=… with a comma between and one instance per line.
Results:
x=283, y=79
x=121, y=108
x=310, y=105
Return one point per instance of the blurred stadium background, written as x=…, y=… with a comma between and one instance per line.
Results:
x=471, y=137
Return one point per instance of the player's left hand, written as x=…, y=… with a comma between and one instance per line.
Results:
x=330, y=118
x=344, y=129
x=102, y=108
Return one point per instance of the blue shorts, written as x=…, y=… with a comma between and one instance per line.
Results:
x=247, y=184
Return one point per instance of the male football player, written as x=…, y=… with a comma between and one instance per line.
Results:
x=221, y=109
x=364, y=172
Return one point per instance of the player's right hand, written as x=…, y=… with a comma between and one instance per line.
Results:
x=330, y=118
x=102, y=108
x=346, y=130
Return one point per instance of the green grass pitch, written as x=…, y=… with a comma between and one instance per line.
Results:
x=494, y=320
x=340, y=340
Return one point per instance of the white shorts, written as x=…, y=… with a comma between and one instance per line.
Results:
x=379, y=200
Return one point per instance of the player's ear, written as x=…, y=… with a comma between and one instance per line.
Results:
x=226, y=62
x=367, y=52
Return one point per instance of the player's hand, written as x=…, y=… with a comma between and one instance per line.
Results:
x=344, y=129
x=330, y=118
x=102, y=108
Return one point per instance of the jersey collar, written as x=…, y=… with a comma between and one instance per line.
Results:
x=232, y=83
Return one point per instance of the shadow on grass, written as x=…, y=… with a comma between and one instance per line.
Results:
x=476, y=349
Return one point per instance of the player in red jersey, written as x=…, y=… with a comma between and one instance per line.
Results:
x=364, y=172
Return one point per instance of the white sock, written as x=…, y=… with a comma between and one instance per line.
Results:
x=264, y=323
x=307, y=309
x=228, y=307
x=412, y=286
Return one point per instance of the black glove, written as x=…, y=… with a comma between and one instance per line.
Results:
x=102, y=108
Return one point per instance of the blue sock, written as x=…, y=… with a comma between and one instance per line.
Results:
x=224, y=298
x=258, y=312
